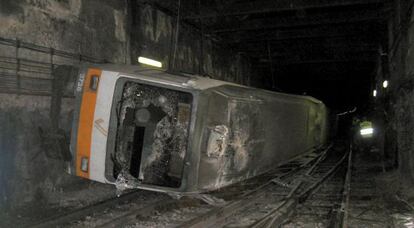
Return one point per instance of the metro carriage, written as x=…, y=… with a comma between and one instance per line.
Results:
x=149, y=129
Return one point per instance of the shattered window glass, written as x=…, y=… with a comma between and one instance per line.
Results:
x=152, y=135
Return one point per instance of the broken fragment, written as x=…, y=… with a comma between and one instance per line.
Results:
x=217, y=142
x=152, y=136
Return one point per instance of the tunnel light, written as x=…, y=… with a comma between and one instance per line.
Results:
x=367, y=131
x=374, y=93
x=150, y=62
x=385, y=84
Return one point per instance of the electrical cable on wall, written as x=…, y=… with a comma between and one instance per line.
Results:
x=271, y=65
x=177, y=29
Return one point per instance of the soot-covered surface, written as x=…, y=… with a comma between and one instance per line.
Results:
x=153, y=154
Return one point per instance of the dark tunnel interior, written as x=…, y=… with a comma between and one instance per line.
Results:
x=206, y=113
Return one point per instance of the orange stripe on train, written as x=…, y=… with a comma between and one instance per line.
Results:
x=86, y=118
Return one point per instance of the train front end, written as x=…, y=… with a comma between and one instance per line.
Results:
x=132, y=129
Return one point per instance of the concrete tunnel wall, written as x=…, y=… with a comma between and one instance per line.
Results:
x=99, y=29
x=394, y=105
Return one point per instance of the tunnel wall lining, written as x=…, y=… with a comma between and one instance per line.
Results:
x=395, y=104
x=100, y=30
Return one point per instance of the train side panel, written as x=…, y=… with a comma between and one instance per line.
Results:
x=250, y=131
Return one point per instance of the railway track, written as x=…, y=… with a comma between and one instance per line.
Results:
x=273, y=206
x=120, y=204
x=327, y=206
x=276, y=199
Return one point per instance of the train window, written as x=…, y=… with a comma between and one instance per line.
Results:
x=152, y=134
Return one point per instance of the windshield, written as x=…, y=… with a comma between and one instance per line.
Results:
x=152, y=134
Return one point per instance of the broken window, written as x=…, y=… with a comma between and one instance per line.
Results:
x=152, y=135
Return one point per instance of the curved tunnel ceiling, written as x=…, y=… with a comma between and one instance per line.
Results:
x=325, y=48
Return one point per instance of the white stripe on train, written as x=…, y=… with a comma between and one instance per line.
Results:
x=105, y=95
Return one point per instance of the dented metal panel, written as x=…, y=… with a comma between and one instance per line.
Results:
x=263, y=129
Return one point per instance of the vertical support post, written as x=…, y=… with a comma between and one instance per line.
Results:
x=271, y=65
x=177, y=31
x=201, y=53
x=18, y=79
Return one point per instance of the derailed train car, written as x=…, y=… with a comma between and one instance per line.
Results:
x=148, y=129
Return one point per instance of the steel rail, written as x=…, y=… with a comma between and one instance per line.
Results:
x=132, y=216
x=64, y=218
x=244, y=200
x=342, y=215
x=218, y=215
x=280, y=214
x=146, y=211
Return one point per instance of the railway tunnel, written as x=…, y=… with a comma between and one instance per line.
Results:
x=305, y=108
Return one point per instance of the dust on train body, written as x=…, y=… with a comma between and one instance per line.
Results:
x=153, y=130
